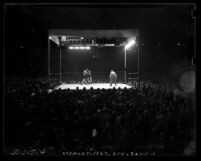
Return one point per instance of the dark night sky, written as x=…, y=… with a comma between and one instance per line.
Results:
x=26, y=33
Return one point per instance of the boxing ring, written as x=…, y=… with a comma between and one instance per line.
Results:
x=72, y=51
x=93, y=85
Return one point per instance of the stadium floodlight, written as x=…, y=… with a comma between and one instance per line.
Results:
x=82, y=47
x=130, y=43
x=76, y=47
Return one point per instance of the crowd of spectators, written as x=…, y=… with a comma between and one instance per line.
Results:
x=151, y=118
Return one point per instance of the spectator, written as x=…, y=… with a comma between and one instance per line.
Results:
x=124, y=119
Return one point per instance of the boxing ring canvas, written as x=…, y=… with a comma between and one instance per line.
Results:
x=93, y=85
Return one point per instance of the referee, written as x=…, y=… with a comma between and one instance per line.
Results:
x=113, y=77
x=89, y=77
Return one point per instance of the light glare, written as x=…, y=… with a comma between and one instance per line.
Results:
x=87, y=47
x=71, y=47
x=130, y=43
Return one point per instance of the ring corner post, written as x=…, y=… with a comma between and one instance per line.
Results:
x=138, y=59
x=48, y=40
x=125, y=65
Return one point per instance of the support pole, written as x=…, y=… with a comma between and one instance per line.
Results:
x=138, y=60
x=125, y=66
x=48, y=59
x=60, y=62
